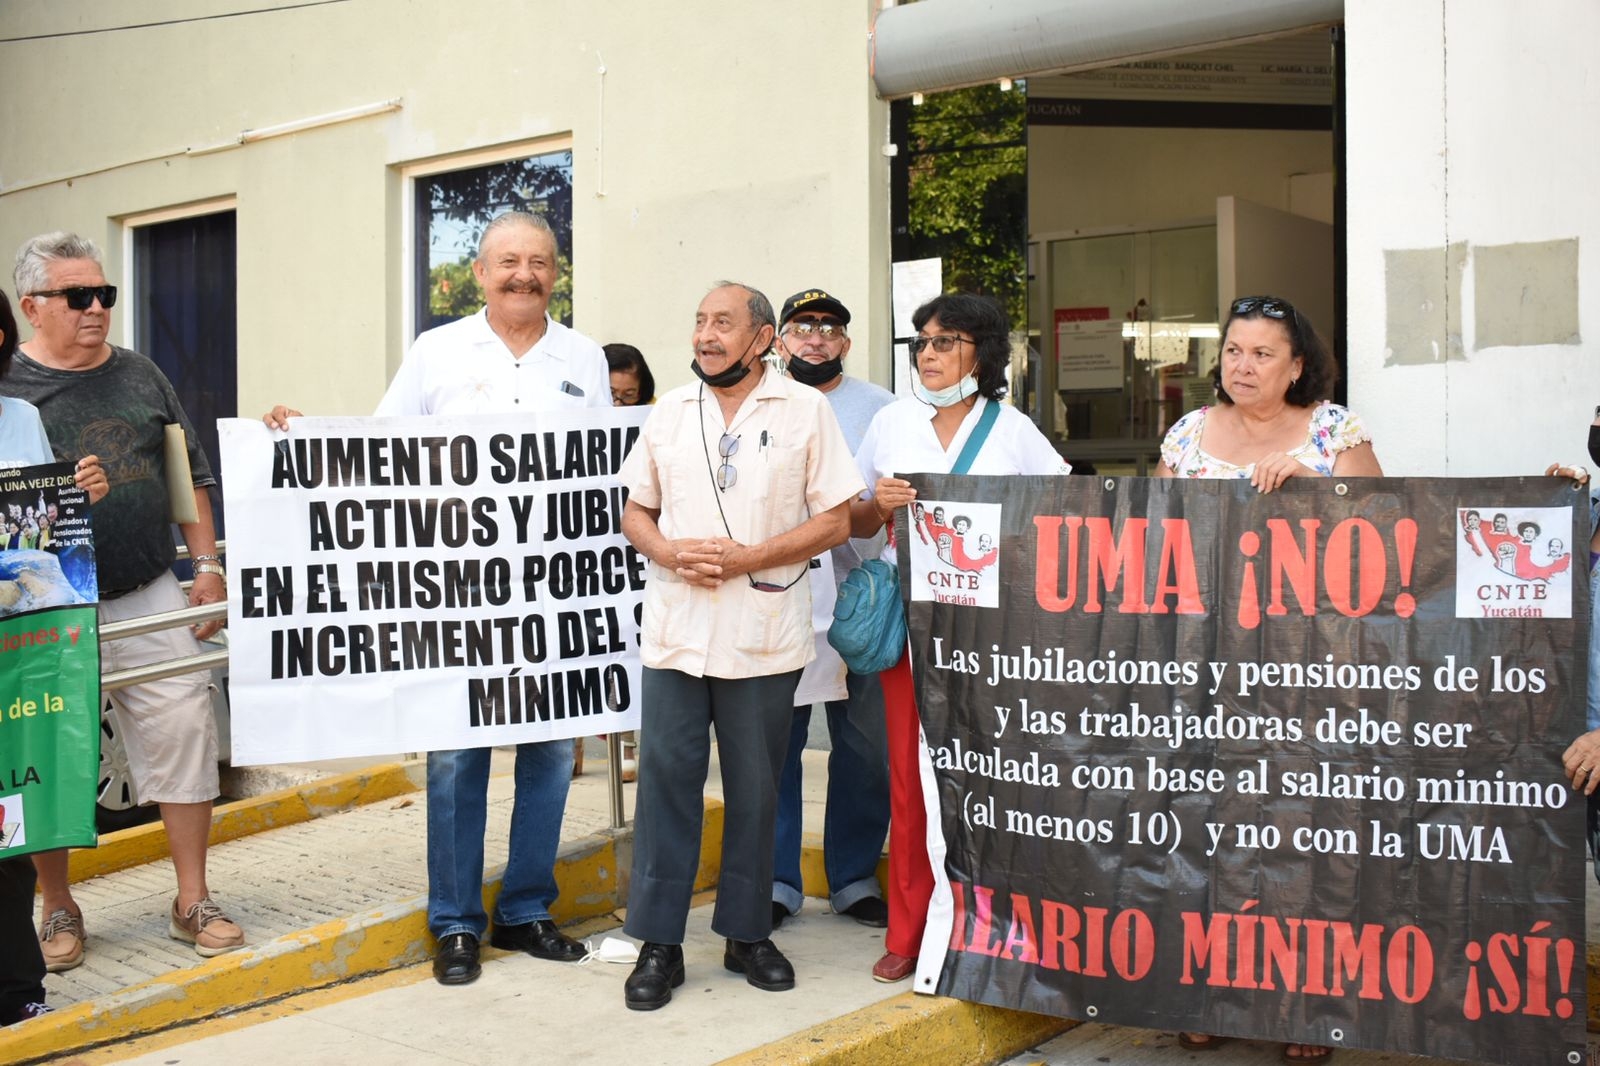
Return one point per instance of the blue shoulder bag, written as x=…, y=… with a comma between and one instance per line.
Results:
x=869, y=619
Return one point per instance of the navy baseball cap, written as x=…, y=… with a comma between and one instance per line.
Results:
x=814, y=300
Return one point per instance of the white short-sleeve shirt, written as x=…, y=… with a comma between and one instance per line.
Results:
x=463, y=367
x=901, y=440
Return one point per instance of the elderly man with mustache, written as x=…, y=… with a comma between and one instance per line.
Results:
x=509, y=358
x=736, y=482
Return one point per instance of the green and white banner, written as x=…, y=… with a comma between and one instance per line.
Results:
x=49, y=663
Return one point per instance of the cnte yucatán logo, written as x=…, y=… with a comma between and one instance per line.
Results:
x=955, y=552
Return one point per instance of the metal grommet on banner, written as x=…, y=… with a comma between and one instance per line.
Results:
x=1574, y=1057
x=1342, y=489
x=1093, y=1012
x=1336, y=1035
x=1110, y=483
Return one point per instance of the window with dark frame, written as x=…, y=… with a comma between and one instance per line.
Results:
x=453, y=207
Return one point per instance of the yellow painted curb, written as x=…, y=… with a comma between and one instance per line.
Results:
x=372, y=942
x=290, y=1006
x=127, y=848
x=321, y=955
x=592, y=873
x=927, y=1030
x=814, y=872
x=710, y=846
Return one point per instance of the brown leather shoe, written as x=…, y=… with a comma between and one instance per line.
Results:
x=61, y=941
x=205, y=926
x=892, y=967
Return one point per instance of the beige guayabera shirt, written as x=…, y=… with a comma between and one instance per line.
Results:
x=792, y=462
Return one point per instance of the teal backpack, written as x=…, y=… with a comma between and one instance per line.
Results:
x=869, y=622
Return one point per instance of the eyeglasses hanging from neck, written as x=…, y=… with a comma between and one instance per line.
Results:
x=725, y=477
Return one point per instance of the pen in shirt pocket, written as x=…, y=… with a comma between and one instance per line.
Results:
x=570, y=389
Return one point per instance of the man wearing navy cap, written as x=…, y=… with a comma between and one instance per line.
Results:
x=813, y=338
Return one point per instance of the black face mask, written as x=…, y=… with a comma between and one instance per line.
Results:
x=819, y=374
x=1594, y=444
x=725, y=379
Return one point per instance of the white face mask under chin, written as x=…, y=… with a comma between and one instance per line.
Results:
x=947, y=396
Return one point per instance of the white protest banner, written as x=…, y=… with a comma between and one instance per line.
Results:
x=414, y=584
x=823, y=678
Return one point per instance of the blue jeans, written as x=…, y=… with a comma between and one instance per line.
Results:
x=857, y=814
x=458, y=786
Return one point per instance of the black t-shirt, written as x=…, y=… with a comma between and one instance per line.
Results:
x=119, y=411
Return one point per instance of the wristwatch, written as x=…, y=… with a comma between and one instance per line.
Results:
x=211, y=568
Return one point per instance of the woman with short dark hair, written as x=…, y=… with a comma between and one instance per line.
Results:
x=960, y=356
x=632, y=384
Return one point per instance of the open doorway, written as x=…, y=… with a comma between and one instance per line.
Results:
x=185, y=315
x=1158, y=192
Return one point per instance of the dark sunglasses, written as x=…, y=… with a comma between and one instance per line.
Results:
x=773, y=586
x=941, y=343
x=82, y=297
x=1247, y=305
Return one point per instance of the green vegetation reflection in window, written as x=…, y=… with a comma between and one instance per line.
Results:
x=452, y=209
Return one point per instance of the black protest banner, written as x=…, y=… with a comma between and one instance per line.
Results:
x=1281, y=766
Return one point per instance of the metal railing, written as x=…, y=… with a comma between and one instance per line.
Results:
x=187, y=616
x=150, y=623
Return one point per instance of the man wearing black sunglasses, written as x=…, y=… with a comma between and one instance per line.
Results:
x=97, y=398
x=736, y=482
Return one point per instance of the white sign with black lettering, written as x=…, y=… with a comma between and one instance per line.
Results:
x=416, y=584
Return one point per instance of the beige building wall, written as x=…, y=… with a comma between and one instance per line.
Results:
x=1474, y=283
x=738, y=141
x=745, y=140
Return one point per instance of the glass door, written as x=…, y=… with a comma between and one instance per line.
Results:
x=1128, y=325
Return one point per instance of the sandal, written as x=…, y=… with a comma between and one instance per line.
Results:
x=1309, y=1053
x=1200, y=1041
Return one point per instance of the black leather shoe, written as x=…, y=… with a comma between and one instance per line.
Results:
x=658, y=971
x=869, y=910
x=762, y=964
x=457, y=960
x=779, y=913
x=542, y=940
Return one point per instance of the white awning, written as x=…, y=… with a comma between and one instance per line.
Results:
x=946, y=44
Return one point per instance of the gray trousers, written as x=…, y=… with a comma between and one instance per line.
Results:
x=751, y=717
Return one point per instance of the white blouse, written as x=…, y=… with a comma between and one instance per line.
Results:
x=901, y=440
